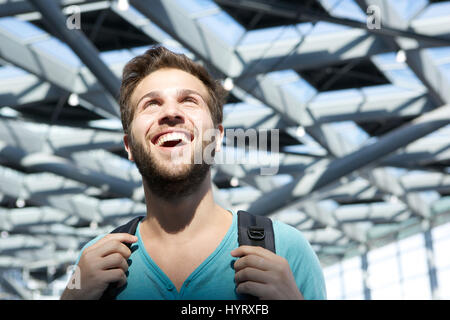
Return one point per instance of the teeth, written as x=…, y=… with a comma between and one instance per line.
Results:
x=172, y=136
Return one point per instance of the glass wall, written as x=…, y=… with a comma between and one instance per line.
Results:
x=405, y=269
x=441, y=245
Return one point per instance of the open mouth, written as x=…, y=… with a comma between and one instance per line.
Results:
x=172, y=139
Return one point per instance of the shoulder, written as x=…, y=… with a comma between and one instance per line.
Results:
x=289, y=239
x=291, y=244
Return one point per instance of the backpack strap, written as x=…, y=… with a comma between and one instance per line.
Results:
x=130, y=227
x=255, y=230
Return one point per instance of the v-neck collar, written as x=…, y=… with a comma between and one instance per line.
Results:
x=162, y=275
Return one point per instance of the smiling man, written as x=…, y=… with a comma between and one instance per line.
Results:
x=187, y=246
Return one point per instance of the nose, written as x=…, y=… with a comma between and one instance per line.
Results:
x=171, y=115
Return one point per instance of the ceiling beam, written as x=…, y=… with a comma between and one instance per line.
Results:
x=319, y=176
x=419, y=60
x=81, y=45
x=302, y=13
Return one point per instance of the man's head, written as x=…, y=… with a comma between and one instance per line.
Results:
x=167, y=103
x=157, y=58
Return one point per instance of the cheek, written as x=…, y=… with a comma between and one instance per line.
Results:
x=202, y=121
x=141, y=127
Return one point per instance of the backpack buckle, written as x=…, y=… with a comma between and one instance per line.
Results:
x=256, y=233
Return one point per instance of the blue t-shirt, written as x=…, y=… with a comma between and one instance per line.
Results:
x=213, y=279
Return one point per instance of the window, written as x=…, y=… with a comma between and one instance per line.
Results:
x=352, y=278
x=344, y=280
x=441, y=243
x=444, y=283
x=383, y=270
x=414, y=268
x=416, y=288
x=333, y=281
x=397, y=271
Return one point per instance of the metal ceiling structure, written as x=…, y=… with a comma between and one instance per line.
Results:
x=362, y=109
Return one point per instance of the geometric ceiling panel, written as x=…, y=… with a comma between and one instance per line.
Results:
x=363, y=116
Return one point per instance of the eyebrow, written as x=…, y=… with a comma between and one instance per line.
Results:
x=180, y=92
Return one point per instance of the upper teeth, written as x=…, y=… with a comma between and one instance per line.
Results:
x=172, y=136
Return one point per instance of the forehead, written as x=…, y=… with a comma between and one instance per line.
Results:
x=167, y=81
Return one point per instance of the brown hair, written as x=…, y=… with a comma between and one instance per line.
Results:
x=157, y=58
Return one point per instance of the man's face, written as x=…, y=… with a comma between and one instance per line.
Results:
x=167, y=132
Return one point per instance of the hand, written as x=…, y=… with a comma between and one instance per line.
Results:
x=262, y=273
x=102, y=263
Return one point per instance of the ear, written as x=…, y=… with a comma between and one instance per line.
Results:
x=127, y=147
x=219, y=141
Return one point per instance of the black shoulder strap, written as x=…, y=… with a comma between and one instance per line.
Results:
x=255, y=230
x=130, y=227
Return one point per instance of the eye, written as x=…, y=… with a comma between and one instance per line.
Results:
x=150, y=103
x=190, y=99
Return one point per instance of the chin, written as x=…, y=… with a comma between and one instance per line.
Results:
x=176, y=172
x=168, y=177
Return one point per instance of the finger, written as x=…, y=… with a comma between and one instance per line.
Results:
x=114, y=261
x=115, y=275
x=116, y=247
x=252, y=261
x=256, y=250
x=122, y=281
x=119, y=237
x=256, y=289
x=111, y=247
x=252, y=274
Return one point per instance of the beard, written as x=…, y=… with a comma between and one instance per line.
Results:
x=164, y=180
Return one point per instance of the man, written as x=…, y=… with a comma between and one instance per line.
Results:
x=186, y=247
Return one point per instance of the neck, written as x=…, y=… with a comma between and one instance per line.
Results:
x=180, y=218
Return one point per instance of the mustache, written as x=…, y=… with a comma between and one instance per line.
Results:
x=161, y=182
x=193, y=131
